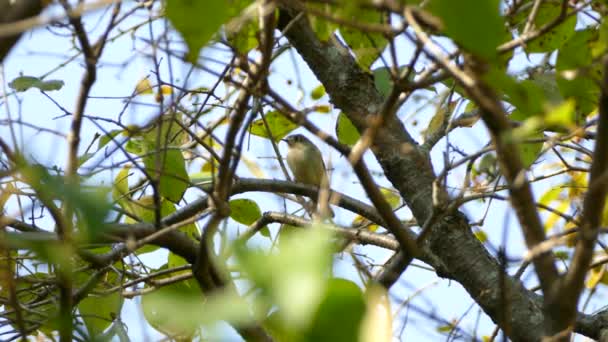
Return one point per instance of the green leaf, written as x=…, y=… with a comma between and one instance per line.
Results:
x=322, y=27
x=562, y=116
x=487, y=165
x=120, y=189
x=481, y=235
x=318, y=92
x=482, y=30
x=180, y=309
x=340, y=313
x=197, y=21
x=345, y=131
x=366, y=46
x=556, y=37
x=106, y=138
x=244, y=211
x=383, y=80
x=279, y=126
x=550, y=195
x=50, y=85
x=578, y=77
x=392, y=197
x=529, y=151
x=527, y=96
x=242, y=34
x=300, y=266
x=173, y=175
x=174, y=309
x=23, y=83
x=547, y=81
x=98, y=312
x=90, y=203
x=85, y=157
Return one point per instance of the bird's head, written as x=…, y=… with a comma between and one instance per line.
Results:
x=297, y=139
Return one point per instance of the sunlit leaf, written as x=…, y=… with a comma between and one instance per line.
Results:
x=481, y=235
x=279, y=126
x=595, y=276
x=144, y=87
x=318, y=92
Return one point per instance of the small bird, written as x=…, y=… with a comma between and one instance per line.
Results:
x=306, y=162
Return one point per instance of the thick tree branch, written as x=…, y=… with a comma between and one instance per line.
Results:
x=11, y=11
x=410, y=171
x=568, y=294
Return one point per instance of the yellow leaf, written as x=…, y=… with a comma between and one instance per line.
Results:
x=553, y=218
x=5, y=194
x=360, y=221
x=595, y=276
x=253, y=167
x=166, y=89
x=563, y=115
x=481, y=236
x=323, y=109
x=143, y=87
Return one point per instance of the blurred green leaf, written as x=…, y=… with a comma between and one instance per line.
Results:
x=556, y=37
x=174, y=309
x=89, y=202
x=300, y=267
x=340, y=313
x=179, y=309
x=106, y=138
x=197, y=21
x=318, y=92
x=481, y=235
x=242, y=34
x=483, y=30
x=578, y=77
x=366, y=46
x=120, y=189
x=562, y=116
x=99, y=311
x=529, y=151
